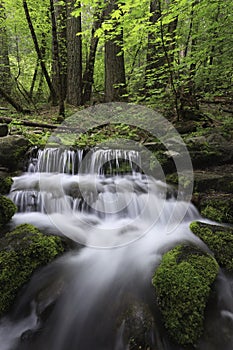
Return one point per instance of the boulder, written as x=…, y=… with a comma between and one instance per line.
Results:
x=216, y=206
x=209, y=150
x=214, y=179
x=219, y=239
x=22, y=251
x=12, y=152
x=183, y=284
x=3, y=130
x=5, y=184
x=186, y=127
x=138, y=326
x=207, y=181
x=7, y=210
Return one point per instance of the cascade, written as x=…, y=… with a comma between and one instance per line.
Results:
x=121, y=221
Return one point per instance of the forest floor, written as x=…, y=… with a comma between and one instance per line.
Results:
x=211, y=116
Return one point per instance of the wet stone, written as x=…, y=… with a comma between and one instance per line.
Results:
x=3, y=130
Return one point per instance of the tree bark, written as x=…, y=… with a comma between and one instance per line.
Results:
x=10, y=100
x=5, y=73
x=39, y=54
x=186, y=91
x=115, y=82
x=90, y=64
x=38, y=72
x=59, y=70
x=155, y=58
x=57, y=59
x=74, y=56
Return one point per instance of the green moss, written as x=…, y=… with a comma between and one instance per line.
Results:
x=5, y=184
x=183, y=284
x=7, y=210
x=218, y=209
x=213, y=214
x=110, y=132
x=22, y=251
x=220, y=241
x=183, y=181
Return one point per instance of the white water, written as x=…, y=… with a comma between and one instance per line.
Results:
x=123, y=223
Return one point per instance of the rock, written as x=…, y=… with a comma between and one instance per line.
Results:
x=185, y=127
x=219, y=239
x=3, y=130
x=22, y=251
x=12, y=152
x=7, y=210
x=216, y=206
x=183, y=285
x=196, y=142
x=138, y=326
x=216, y=138
x=5, y=184
x=214, y=179
x=205, y=154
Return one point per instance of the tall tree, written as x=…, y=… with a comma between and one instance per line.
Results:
x=59, y=41
x=155, y=56
x=115, y=82
x=39, y=53
x=5, y=73
x=57, y=58
x=74, y=54
x=88, y=75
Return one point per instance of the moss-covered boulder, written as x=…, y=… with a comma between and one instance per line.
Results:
x=7, y=210
x=183, y=285
x=22, y=251
x=219, y=239
x=216, y=206
x=12, y=152
x=5, y=184
x=220, y=180
x=205, y=151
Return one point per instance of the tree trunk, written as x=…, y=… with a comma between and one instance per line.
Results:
x=59, y=70
x=39, y=54
x=10, y=100
x=5, y=74
x=90, y=64
x=186, y=91
x=155, y=58
x=115, y=82
x=74, y=56
x=57, y=60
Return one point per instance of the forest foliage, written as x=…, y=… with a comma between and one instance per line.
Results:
x=169, y=54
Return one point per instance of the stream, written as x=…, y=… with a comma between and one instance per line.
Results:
x=119, y=223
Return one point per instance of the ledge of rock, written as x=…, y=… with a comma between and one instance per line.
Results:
x=12, y=152
x=3, y=130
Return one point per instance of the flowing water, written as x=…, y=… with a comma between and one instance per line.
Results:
x=118, y=226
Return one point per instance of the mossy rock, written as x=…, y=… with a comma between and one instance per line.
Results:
x=5, y=184
x=7, y=210
x=204, y=152
x=219, y=239
x=22, y=251
x=217, y=207
x=212, y=180
x=183, y=285
x=12, y=152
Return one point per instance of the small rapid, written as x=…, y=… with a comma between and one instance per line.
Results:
x=120, y=223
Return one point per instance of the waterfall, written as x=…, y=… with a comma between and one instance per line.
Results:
x=121, y=222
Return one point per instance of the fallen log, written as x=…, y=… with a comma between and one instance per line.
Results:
x=30, y=123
